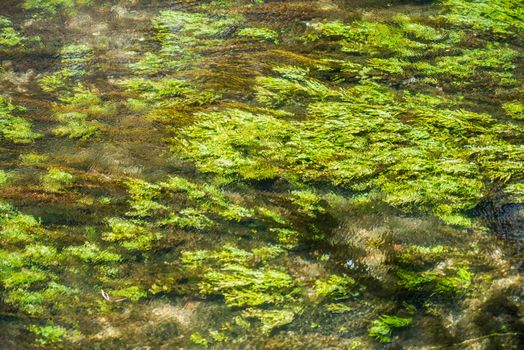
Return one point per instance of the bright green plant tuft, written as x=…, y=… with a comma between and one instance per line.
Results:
x=198, y=339
x=91, y=253
x=130, y=234
x=44, y=8
x=515, y=110
x=4, y=178
x=335, y=288
x=76, y=126
x=501, y=17
x=259, y=34
x=143, y=195
x=13, y=127
x=56, y=180
x=383, y=328
x=9, y=37
x=49, y=334
x=270, y=319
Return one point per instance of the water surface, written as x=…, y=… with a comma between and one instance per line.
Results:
x=251, y=174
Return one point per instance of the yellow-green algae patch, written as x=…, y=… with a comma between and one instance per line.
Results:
x=261, y=174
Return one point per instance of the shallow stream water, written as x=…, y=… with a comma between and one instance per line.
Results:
x=250, y=174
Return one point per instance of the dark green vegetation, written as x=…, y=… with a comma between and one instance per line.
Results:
x=245, y=174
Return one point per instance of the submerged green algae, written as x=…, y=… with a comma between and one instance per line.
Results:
x=14, y=128
x=43, y=8
x=238, y=230
x=9, y=37
x=396, y=152
x=504, y=17
x=383, y=327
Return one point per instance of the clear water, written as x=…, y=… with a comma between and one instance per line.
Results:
x=343, y=234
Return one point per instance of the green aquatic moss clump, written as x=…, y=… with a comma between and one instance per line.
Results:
x=336, y=288
x=132, y=293
x=262, y=34
x=515, y=110
x=500, y=17
x=207, y=199
x=191, y=25
x=247, y=282
x=308, y=202
x=198, y=339
x=76, y=56
x=130, y=234
x=270, y=319
x=242, y=286
x=294, y=84
x=18, y=227
x=493, y=62
x=91, y=253
x=418, y=152
x=275, y=149
x=440, y=272
x=161, y=97
x=183, y=39
x=237, y=278
x=78, y=106
x=9, y=37
x=28, y=279
x=190, y=218
x=48, y=334
x=4, y=178
x=453, y=280
x=401, y=46
x=77, y=111
x=143, y=199
x=83, y=99
x=176, y=203
x=57, y=180
x=373, y=38
x=75, y=125
x=34, y=269
x=13, y=127
x=230, y=254
x=43, y=8
x=383, y=328
x=33, y=159
x=75, y=61
x=230, y=151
